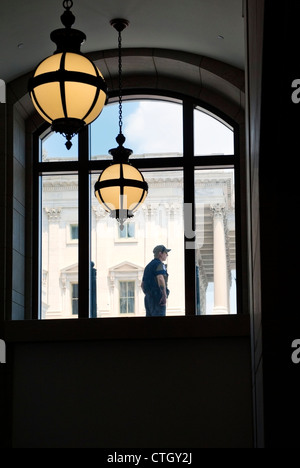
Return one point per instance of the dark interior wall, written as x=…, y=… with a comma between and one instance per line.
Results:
x=274, y=132
x=254, y=65
x=4, y=436
x=18, y=218
x=3, y=128
x=136, y=394
x=12, y=209
x=282, y=322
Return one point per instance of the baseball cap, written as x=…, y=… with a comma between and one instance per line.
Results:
x=160, y=248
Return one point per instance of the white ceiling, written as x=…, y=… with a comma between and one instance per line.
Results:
x=186, y=25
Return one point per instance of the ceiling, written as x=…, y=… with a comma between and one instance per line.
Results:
x=212, y=28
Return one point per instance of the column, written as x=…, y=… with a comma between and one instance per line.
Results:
x=220, y=261
x=54, y=292
x=101, y=244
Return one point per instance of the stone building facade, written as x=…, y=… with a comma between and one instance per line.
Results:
x=118, y=258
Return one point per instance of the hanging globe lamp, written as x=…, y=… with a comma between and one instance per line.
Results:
x=67, y=89
x=121, y=188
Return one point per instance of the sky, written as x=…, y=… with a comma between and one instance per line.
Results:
x=149, y=127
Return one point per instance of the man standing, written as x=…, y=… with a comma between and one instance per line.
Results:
x=155, y=283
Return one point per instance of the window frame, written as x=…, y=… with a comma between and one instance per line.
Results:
x=127, y=314
x=84, y=167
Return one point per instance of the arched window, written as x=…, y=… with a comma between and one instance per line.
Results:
x=189, y=158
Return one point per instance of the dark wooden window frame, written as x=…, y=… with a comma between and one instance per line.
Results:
x=84, y=167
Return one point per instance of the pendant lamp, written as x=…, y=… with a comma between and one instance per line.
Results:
x=121, y=188
x=67, y=89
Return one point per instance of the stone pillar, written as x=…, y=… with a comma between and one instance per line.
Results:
x=54, y=292
x=100, y=248
x=220, y=261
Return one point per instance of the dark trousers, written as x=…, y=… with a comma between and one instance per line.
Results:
x=153, y=309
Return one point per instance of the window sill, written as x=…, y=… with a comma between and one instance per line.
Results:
x=134, y=328
x=126, y=241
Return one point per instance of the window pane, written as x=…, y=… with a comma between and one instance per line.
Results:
x=123, y=233
x=74, y=232
x=75, y=291
x=211, y=136
x=53, y=148
x=215, y=242
x=152, y=129
x=131, y=306
x=59, y=257
x=130, y=287
x=130, y=230
x=158, y=221
x=75, y=307
x=75, y=299
x=123, y=289
x=123, y=306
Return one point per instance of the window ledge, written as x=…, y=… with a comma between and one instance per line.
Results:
x=138, y=328
x=126, y=241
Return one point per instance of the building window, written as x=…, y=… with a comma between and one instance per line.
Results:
x=127, y=297
x=188, y=157
x=74, y=231
x=74, y=299
x=128, y=232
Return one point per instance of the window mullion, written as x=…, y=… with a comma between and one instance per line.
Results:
x=83, y=226
x=189, y=202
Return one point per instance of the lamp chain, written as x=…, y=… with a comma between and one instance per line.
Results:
x=120, y=83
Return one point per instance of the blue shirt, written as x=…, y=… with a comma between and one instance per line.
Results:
x=152, y=270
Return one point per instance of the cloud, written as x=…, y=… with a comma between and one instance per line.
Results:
x=149, y=127
x=211, y=136
x=155, y=127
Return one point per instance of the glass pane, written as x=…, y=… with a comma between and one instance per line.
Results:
x=130, y=230
x=75, y=291
x=123, y=306
x=53, y=148
x=75, y=308
x=158, y=221
x=74, y=232
x=212, y=137
x=75, y=299
x=152, y=129
x=59, y=258
x=215, y=242
x=123, y=233
x=123, y=289
x=130, y=289
x=131, y=306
